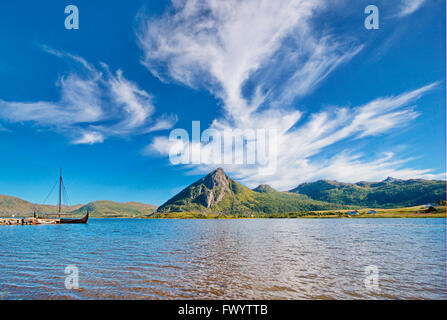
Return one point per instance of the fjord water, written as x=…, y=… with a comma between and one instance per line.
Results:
x=226, y=259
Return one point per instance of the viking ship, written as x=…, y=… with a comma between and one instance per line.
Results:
x=59, y=219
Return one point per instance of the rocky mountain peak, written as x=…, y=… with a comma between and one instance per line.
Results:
x=217, y=186
x=216, y=178
x=264, y=188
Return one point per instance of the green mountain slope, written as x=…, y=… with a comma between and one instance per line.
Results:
x=390, y=193
x=218, y=194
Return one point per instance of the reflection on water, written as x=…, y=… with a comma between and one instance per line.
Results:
x=226, y=259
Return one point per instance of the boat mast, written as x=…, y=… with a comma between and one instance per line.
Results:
x=60, y=193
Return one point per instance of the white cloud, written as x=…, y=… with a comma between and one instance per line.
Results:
x=273, y=47
x=323, y=60
x=163, y=146
x=343, y=167
x=94, y=104
x=90, y=138
x=300, y=142
x=219, y=45
x=409, y=6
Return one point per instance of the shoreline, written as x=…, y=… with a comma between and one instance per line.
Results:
x=409, y=212
x=418, y=212
x=291, y=218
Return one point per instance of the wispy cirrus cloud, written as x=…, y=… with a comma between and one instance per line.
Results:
x=300, y=144
x=95, y=104
x=408, y=7
x=257, y=57
x=223, y=45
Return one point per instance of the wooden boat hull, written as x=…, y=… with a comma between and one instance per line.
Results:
x=45, y=221
x=82, y=220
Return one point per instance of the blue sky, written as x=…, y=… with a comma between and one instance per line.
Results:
x=350, y=104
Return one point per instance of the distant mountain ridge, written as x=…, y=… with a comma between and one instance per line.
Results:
x=111, y=209
x=264, y=188
x=98, y=209
x=12, y=205
x=389, y=193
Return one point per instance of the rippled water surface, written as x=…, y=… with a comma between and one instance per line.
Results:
x=226, y=259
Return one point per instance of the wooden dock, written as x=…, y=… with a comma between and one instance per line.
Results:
x=14, y=221
x=26, y=221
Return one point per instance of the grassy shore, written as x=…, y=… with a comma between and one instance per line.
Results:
x=410, y=212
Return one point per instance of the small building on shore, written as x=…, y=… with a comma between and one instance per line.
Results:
x=353, y=213
x=372, y=211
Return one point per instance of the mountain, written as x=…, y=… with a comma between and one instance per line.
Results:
x=111, y=209
x=19, y=207
x=218, y=194
x=389, y=193
x=10, y=205
x=98, y=209
x=264, y=188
